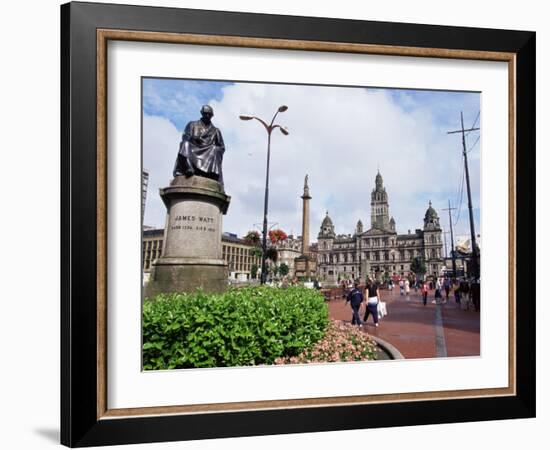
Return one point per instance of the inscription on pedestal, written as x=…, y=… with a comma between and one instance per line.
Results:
x=193, y=230
x=194, y=223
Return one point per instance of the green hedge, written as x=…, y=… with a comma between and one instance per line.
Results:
x=247, y=326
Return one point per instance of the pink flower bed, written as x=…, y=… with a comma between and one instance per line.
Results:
x=342, y=343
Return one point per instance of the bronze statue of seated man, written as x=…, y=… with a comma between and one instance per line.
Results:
x=201, y=149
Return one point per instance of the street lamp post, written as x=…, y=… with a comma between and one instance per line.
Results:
x=475, y=262
x=269, y=128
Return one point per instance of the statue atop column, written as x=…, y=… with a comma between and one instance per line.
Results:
x=201, y=149
x=305, y=264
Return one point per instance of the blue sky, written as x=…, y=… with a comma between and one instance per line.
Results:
x=178, y=100
x=340, y=136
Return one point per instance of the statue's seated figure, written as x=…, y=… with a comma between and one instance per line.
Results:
x=201, y=149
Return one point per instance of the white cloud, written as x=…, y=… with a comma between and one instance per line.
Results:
x=160, y=147
x=338, y=136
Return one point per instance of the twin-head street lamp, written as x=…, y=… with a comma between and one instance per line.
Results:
x=269, y=128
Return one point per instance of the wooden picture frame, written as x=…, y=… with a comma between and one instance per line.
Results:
x=86, y=28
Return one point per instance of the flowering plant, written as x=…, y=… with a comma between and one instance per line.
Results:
x=277, y=236
x=342, y=343
x=252, y=237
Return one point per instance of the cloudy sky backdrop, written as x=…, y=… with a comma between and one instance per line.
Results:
x=338, y=135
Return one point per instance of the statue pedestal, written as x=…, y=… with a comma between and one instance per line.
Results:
x=192, y=250
x=305, y=266
x=365, y=269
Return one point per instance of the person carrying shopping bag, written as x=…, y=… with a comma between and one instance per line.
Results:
x=373, y=297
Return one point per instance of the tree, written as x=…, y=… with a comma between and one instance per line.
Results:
x=254, y=271
x=257, y=252
x=418, y=266
x=283, y=269
x=272, y=254
x=276, y=236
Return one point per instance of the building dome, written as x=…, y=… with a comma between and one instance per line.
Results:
x=431, y=219
x=430, y=213
x=327, y=227
x=327, y=222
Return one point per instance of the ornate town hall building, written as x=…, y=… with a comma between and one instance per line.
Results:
x=379, y=249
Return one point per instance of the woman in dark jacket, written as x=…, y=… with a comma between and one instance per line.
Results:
x=373, y=297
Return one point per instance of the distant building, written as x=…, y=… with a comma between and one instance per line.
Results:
x=239, y=256
x=144, y=184
x=463, y=243
x=463, y=255
x=153, y=239
x=379, y=250
x=237, y=253
x=151, y=249
x=287, y=250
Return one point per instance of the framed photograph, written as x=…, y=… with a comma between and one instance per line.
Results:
x=278, y=224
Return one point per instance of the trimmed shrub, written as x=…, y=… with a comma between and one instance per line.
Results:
x=247, y=326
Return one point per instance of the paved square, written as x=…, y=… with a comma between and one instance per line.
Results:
x=419, y=331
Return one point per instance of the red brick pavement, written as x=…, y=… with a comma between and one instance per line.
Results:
x=411, y=327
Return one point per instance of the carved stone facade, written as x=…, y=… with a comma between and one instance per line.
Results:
x=379, y=249
x=288, y=250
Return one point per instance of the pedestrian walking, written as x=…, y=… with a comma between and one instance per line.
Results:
x=457, y=293
x=401, y=287
x=407, y=287
x=447, y=287
x=424, y=293
x=464, y=295
x=437, y=295
x=373, y=297
x=355, y=297
x=475, y=288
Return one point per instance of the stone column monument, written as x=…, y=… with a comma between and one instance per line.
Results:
x=305, y=265
x=196, y=202
x=305, y=218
